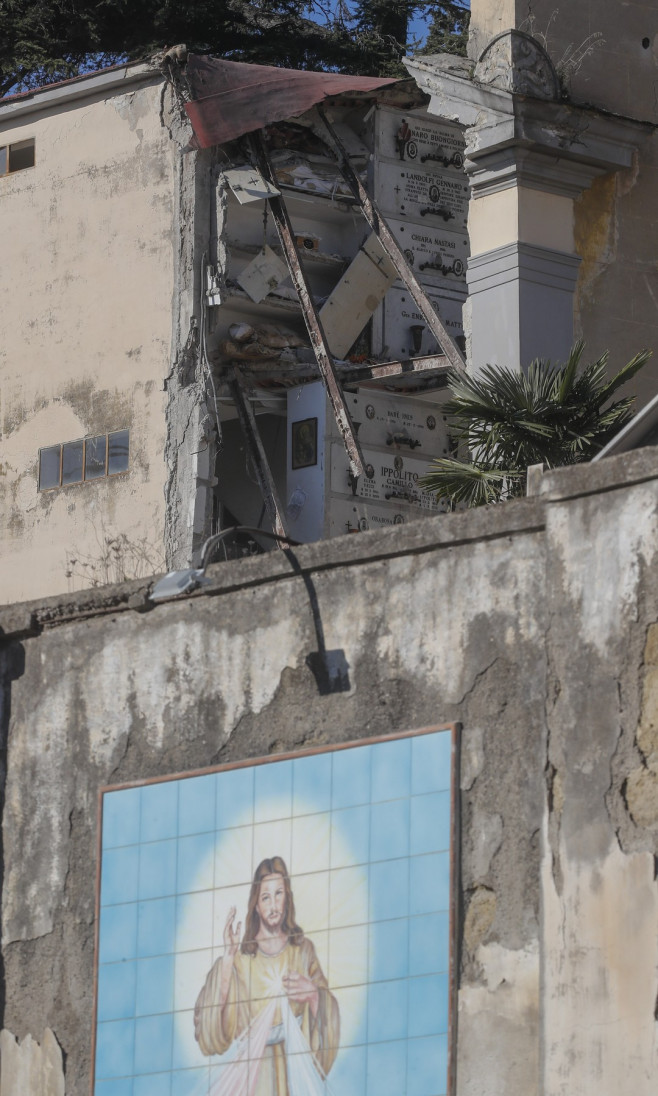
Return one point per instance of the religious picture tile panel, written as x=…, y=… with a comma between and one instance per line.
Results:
x=281, y=928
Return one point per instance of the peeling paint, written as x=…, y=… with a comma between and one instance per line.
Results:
x=595, y=236
x=30, y=1069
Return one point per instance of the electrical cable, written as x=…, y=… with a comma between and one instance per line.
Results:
x=214, y=540
x=203, y=352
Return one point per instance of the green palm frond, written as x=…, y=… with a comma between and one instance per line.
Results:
x=509, y=420
x=469, y=482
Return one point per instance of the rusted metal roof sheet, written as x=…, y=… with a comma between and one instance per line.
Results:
x=230, y=98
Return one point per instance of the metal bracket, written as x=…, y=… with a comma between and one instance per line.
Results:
x=314, y=326
x=257, y=453
x=392, y=248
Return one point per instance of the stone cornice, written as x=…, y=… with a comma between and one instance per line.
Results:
x=541, y=265
x=513, y=139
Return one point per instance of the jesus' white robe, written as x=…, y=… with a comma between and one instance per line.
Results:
x=255, y=986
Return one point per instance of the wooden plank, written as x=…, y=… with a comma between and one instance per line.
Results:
x=355, y=297
x=392, y=248
x=311, y=318
x=257, y=453
x=350, y=372
x=410, y=368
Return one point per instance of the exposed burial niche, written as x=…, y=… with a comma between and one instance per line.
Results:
x=384, y=320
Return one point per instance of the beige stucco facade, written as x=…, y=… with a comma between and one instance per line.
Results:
x=86, y=296
x=522, y=214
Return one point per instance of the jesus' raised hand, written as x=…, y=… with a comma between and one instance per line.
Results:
x=231, y=935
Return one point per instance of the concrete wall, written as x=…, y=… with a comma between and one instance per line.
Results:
x=606, y=52
x=86, y=289
x=533, y=623
x=607, y=56
x=616, y=225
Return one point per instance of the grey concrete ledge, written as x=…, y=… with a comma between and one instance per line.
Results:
x=106, y=82
x=611, y=474
x=445, y=531
x=504, y=168
x=639, y=432
x=441, y=533
x=523, y=262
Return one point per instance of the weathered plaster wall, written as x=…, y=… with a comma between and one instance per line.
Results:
x=489, y=18
x=619, y=71
x=616, y=231
x=191, y=418
x=86, y=291
x=534, y=624
x=608, y=52
x=28, y=1066
x=600, y=896
x=520, y=214
x=607, y=56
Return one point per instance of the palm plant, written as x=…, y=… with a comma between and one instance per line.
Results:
x=509, y=420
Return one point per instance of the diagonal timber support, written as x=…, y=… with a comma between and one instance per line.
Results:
x=314, y=326
x=257, y=454
x=392, y=248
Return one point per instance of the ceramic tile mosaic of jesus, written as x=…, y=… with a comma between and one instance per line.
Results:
x=281, y=928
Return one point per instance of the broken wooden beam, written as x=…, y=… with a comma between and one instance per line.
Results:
x=312, y=320
x=349, y=372
x=393, y=249
x=257, y=453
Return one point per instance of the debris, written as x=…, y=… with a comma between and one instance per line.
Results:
x=241, y=332
x=271, y=335
x=247, y=352
x=262, y=275
x=263, y=342
x=248, y=184
x=311, y=318
x=318, y=177
x=356, y=296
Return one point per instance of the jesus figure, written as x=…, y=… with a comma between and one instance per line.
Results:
x=266, y=1006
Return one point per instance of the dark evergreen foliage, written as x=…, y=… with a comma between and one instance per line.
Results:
x=449, y=27
x=42, y=41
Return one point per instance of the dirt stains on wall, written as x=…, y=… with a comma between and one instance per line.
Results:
x=641, y=790
x=88, y=346
x=595, y=236
x=533, y=624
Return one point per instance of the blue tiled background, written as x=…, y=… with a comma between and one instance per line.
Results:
x=389, y=805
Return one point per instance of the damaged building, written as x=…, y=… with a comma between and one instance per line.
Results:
x=253, y=283
x=333, y=297
x=301, y=389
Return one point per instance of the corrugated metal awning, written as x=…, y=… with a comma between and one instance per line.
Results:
x=230, y=98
